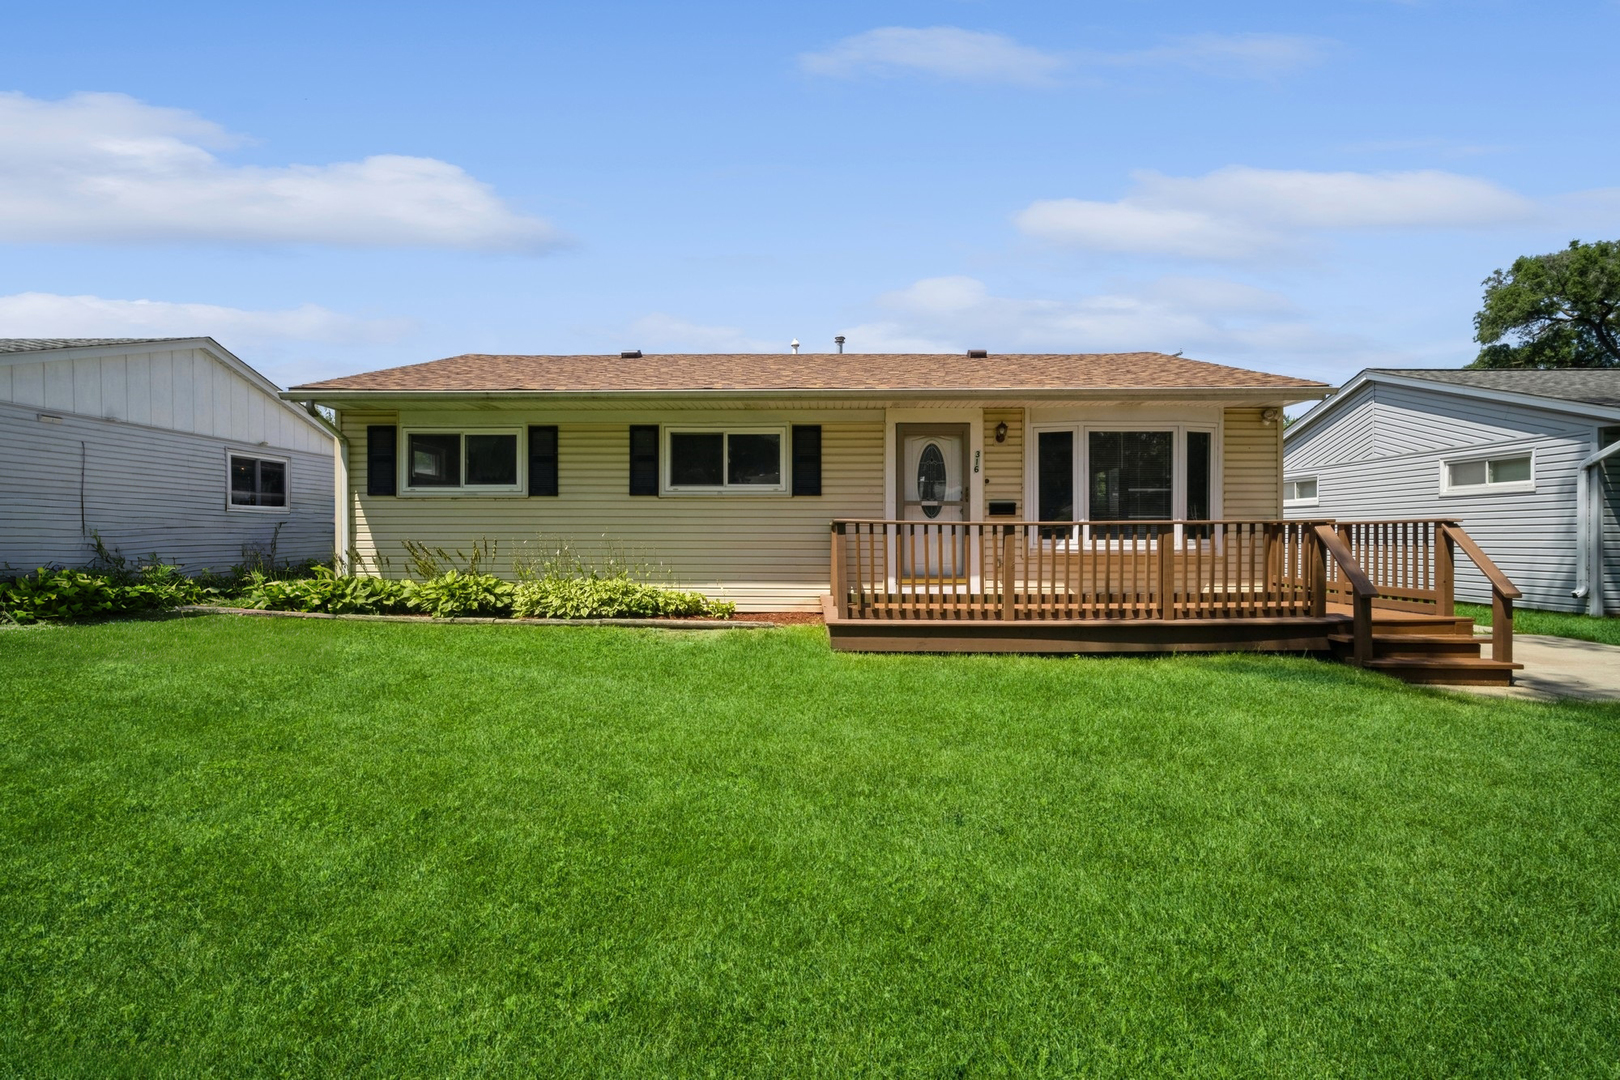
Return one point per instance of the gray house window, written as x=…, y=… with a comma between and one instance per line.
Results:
x=1504, y=472
x=257, y=483
x=1300, y=491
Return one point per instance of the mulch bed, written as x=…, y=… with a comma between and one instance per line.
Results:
x=781, y=618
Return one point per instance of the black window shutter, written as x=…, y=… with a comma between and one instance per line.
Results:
x=382, y=456
x=542, y=460
x=644, y=459
x=807, y=459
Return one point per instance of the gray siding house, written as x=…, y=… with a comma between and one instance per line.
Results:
x=170, y=447
x=1521, y=458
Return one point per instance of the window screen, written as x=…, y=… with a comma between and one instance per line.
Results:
x=1130, y=475
x=491, y=460
x=697, y=459
x=754, y=459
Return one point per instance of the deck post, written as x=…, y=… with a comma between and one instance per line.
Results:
x=1445, y=570
x=1363, y=628
x=1501, y=627
x=840, y=570
x=1316, y=574
x=1167, y=572
x=1008, y=549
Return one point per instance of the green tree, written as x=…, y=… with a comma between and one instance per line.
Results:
x=1556, y=311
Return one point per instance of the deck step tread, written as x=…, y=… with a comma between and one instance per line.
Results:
x=1477, y=663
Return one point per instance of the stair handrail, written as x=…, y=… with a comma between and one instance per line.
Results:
x=1361, y=586
x=1503, y=593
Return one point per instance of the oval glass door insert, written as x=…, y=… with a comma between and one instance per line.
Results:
x=931, y=479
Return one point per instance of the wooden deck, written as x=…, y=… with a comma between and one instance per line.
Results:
x=1166, y=586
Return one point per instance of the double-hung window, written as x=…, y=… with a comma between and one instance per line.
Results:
x=256, y=483
x=1498, y=472
x=1090, y=473
x=734, y=461
x=471, y=462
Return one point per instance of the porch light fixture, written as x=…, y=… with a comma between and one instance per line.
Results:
x=1001, y=431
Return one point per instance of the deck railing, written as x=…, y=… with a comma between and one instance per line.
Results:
x=1072, y=570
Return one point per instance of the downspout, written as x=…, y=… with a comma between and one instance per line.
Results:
x=340, y=492
x=1589, y=530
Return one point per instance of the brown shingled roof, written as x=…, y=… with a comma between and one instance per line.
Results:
x=676, y=372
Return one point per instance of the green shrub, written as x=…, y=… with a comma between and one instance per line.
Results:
x=608, y=598
x=455, y=594
x=327, y=591
x=80, y=594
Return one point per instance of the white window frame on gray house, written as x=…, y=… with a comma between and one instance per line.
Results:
x=666, y=477
x=1487, y=484
x=1291, y=495
x=461, y=487
x=257, y=455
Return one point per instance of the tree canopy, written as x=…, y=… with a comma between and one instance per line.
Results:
x=1553, y=311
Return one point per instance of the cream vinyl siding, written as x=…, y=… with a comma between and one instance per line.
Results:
x=1004, y=462
x=1252, y=453
x=764, y=552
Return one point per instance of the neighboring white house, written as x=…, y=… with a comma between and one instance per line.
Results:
x=1522, y=458
x=170, y=447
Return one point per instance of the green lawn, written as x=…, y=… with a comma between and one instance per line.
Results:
x=253, y=846
x=1556, y=623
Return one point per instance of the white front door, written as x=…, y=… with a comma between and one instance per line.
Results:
x=933, y=490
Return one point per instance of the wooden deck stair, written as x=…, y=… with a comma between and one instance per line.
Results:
x=1420, y=648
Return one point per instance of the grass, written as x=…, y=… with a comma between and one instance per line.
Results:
x=1555, y=623
x=247, y=847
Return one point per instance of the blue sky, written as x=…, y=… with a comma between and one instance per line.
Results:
x=1306, y=189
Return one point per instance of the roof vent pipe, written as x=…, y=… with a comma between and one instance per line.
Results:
x=978, y=354
x=839, y=341
x=794, y=345
x=631, y=354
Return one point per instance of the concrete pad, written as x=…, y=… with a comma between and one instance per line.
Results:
x=1556, y=667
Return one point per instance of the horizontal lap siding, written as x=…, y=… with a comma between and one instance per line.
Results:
x=1252, y=458
x=1349, y=437
x=146, y=492
x=1530, y=535
x=763, y=552
x=1004, y=461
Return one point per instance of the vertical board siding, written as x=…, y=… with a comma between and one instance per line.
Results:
x=1251, y=455
x=763, y=552
x=147, y=492
x=1004, y=462
x=1530, y=535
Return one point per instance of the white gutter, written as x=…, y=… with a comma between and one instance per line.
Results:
x=340, y=492
x=1589, y=530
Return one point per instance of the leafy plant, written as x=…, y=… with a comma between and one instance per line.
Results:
x=1560, y=310
x=599, y=598
x=327, y=591
x=455, y=594
x=80, y=594
x=559, y=557
x=428, y=563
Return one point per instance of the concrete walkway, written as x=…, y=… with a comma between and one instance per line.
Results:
x=1556, y=667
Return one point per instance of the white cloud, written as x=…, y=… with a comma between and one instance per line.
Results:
x=659, y=332
x=1208, y=318
x=945, y=51
x=1259, y=56
x=45, y=315
x=106, y=167
x=950, y=52
x=1239, y=212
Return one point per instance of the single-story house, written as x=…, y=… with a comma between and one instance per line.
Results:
x=727, y=469
x=1525, y=460
x=166, y=447
x=1071, y=503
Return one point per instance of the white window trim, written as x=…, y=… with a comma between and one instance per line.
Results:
x=1317, y=501
x=1448, y=490
x=257, y=454
x=481, y=490
x=1178, y=472
x=666, y=460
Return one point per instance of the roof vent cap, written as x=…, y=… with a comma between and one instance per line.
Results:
x=630, y=354
x=978, y=354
